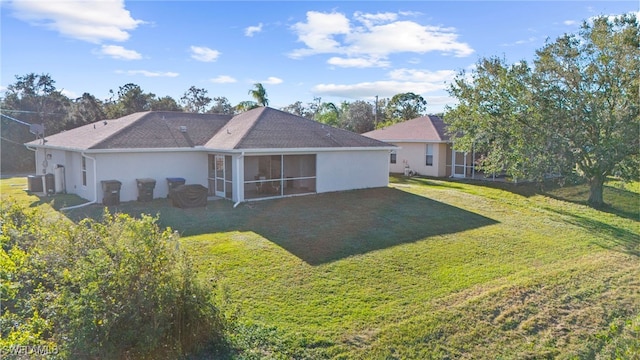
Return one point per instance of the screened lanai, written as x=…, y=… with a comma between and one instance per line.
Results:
x=268, y=176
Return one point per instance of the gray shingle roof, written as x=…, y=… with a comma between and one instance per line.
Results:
x=167, y=130
x=260, y=128
x=425, y=128
x=267, y=128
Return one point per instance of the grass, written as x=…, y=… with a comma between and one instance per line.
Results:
x=423, y=269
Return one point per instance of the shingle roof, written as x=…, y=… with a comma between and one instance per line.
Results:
x=87, y=136
x=166, y=129
x=260, y=128
x=425, y=128
x=267, y=128
x=152, y=129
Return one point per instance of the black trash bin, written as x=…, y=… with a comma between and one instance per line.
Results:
x=111, y=192
x=174, y=182
x=145, y=189
x=50, y=183
x=35, y=183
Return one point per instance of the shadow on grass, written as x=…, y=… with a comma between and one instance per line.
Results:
x=58, y=201
x=611, y=237
x=320, y=228
x=619, y=202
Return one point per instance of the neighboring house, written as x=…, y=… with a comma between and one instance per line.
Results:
x=423, y=148
x=262, y=153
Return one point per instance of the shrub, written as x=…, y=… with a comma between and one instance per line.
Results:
x=118, y=288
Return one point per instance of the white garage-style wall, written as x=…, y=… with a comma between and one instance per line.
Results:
x=352, y=169
x=127, y=167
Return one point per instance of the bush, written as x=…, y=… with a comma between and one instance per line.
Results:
x=119, y=288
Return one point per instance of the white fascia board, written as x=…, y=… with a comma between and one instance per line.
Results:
x=417, y=141
x=132, y=150
x=315, y=150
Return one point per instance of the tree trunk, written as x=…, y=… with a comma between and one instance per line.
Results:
x=596, y=185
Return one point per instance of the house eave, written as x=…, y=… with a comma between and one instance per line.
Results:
x=312, y=149
x=214, y=150
x=416, y=141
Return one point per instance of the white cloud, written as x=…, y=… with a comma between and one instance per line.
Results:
x=377, y=36
x=148, y=73
x=92, y=21
x=358, y=62
x=399, y=81
x=318, y=33
x=569, y=22
x=119, y=52
x=251, y=30
x=202, y=53
x=223, y=79
x=272, y=80
x=370, y=20
x=384, y=88
x=427, y=76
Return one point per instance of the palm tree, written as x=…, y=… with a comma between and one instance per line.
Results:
x=260, y=94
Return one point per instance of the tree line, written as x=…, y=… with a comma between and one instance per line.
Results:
x=34, y=99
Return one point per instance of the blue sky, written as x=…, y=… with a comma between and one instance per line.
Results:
x=299, y=50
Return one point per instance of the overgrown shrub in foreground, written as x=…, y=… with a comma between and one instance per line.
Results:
x=119, y=288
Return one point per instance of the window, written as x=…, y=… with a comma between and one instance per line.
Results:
x=429, y=155
x=84, y=171
x=393, y=157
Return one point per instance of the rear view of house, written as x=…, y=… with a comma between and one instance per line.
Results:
x=424, y=148
x=262, y=153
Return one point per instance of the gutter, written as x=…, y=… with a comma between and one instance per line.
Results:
x=238, y=182
x=95, y=187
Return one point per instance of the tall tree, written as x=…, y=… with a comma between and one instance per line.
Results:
x=405, y=106
x=130, y=99
x=358, y=117
x=298, y=108
x=195, y=100
x=165, y=103
x=84, y=110
x=259, y=94
x=578, y=107
x=221, y=105
x=328, y=113
x=32, y=99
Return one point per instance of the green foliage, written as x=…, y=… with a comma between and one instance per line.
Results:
x=195, y=100
x=405, y=106
x=221, y=105
x=259, y=94
x=577, y=107
x=358, y=117
x=130, y=99
x=121, y=287
x=165, y=103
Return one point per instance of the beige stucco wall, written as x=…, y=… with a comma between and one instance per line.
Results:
x=414, y=155
x=346, y=170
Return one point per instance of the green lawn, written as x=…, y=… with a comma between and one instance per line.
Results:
x=423, y=269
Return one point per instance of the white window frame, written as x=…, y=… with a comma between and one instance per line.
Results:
x=428, y=161
x=84, y=171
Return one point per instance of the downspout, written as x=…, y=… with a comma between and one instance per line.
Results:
x=95, y=187
x=238, y=181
